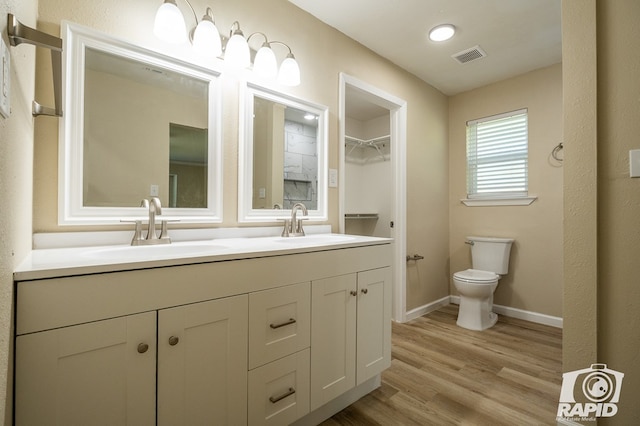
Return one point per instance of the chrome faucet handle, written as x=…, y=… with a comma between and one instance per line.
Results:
x=137, y=233
x=164, y=232
x=287, y=227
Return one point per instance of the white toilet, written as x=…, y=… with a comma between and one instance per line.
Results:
x=490, y=260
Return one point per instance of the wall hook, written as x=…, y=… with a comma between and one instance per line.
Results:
x=19, y=33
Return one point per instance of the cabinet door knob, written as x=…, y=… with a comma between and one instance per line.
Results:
x=354, y=293
x=173, y=340
x=364, y=291
x=142, y=348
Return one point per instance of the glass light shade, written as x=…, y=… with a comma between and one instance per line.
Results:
x=289, y=74
x=169, y=24
x=442, y=32
x=237, y=53
x=265, y=65
x=206, y=39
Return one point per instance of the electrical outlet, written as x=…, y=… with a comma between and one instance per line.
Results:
x=5, y=80
x=154, y=191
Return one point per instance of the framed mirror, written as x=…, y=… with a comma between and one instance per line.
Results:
x=283, y=156
x=136, y=124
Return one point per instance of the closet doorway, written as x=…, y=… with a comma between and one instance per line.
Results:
x=372, y=188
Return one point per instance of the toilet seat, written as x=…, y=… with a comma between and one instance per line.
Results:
x=476, y=276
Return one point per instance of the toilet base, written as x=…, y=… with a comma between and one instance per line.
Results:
x=474, y=314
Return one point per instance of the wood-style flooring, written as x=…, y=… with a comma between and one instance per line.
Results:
x=442, y=374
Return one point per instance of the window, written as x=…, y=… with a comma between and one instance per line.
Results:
x=497, y=156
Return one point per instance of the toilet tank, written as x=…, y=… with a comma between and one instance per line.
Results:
x=490, y=254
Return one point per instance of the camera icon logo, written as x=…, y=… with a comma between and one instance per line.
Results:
x=590, y=392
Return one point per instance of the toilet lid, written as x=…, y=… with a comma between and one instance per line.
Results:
x=476, y=276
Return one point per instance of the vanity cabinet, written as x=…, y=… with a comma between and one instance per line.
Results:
x=264, y=340
x=107, y=370
x=351, y=332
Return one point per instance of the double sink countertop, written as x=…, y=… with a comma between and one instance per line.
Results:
x=70, y=261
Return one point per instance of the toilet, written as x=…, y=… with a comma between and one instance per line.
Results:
x=490, y=260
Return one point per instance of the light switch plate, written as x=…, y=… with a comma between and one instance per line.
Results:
x=333, y=178
x=5, y=80
x=634, y=163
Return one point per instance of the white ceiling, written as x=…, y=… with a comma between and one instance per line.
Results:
x=518, y=35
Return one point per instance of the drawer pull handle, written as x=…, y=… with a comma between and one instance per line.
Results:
x=142, y=348
x=173, y=340
x=282, y=324
x=353, y=293
x=275, y=399
x=364, y=291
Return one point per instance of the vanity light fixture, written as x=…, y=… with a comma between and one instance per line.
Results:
x=442, y=32
x=169, y=26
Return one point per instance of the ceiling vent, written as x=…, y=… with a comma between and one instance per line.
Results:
x=469, y=55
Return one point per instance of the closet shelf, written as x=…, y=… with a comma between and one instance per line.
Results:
x=361, y=216
x=375, y=143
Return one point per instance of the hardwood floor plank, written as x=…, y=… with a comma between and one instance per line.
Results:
x=442, y=374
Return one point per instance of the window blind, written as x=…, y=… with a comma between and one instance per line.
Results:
x=497, y=151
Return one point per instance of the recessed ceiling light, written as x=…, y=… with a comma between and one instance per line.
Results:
x=442, y=32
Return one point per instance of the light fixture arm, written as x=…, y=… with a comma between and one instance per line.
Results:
x=195, y=16
x=285, y=45
x=266, y=40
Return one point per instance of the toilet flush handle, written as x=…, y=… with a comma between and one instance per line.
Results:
x=469, y=242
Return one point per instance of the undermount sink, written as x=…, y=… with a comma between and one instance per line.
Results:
x=316, y=239
x=154, y=251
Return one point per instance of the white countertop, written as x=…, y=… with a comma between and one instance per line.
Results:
x=70, y=261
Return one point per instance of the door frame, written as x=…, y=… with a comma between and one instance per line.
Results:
x=398, y=116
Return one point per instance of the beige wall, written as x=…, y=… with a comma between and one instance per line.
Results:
x=602, y=236
x=322, y=53
x=534, y=282
x=16, y=171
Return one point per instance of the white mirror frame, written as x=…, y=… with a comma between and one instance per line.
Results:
x=71, y=210
x=246, y=212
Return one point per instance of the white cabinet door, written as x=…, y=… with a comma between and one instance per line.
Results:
x=374, y=323
x=333, y=337
x=202, y=363
x=97, y=373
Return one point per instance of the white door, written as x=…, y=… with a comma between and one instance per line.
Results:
x=369, y=96
x=374, y=323
x=202, y=363
x=97, y=373
x=333, y=337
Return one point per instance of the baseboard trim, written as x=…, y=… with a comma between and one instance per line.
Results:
x=429, y=307
x=508, y=311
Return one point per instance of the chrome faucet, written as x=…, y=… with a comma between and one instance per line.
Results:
x=293, y=226
x=155, y=208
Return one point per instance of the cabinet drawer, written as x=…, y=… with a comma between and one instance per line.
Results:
x=279, y=391
x=279, y=323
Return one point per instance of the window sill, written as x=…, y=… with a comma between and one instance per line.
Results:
x=506, y=201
